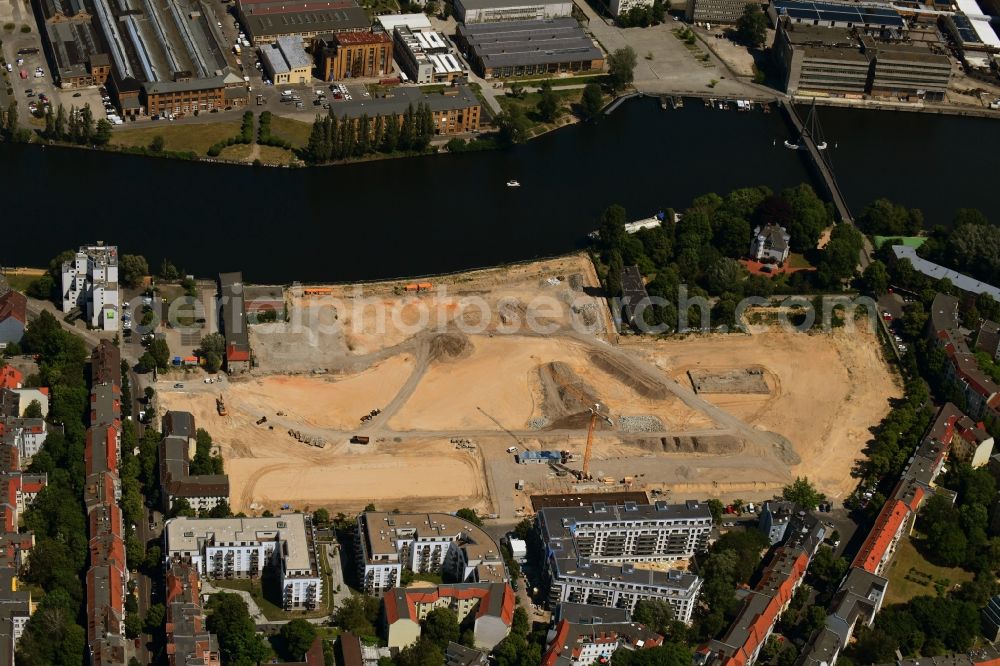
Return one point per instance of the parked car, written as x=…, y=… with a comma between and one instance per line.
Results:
x=178, y=385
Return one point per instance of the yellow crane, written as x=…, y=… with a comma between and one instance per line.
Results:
x=595, y=412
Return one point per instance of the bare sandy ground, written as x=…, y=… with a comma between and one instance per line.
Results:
x=324, y=401
x=828, y=389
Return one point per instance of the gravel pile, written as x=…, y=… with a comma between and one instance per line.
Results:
x=644, y=423
x=538, y=422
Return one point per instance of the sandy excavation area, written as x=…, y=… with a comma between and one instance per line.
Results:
x=827, y=390
x=338, y=327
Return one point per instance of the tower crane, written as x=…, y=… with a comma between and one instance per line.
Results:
x=595, y=413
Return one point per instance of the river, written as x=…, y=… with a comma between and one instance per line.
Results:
x=442, y=213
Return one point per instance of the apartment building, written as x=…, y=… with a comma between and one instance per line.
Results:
x=589, y=635
x=19, y=490
x=592, y=551
x=454, y=110
x=495, y=11
x=243, y=547
x=202, y=492
x=16, y=608
x=388, y=543
x=90, y=283
x=352, y=55
x=188, y=641
x=631, y=532
x=26, y=436
x=13, y=318
x=490, y=606
x=763, y=606
x=106, y=364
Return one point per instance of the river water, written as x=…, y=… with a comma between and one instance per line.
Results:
x=442, y=213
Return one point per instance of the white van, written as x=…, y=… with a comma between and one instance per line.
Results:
x=286, y=93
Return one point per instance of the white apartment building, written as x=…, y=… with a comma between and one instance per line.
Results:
x=424, y=542
x=243, y=547
x=592, y=551
x=90, y=282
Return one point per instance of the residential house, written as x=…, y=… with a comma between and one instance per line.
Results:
x=770, y=244
x=487, y=607
x=13, y=317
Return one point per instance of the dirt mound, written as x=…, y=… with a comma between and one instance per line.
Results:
x=722, y=444
x=633, y=377
x=565, y=393
x=450, y=346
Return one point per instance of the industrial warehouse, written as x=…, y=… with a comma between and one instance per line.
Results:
x=519, y=48
x=266, y=20
x=163, y=58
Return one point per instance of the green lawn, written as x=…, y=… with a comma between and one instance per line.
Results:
x=796, y=260
x=20, y=282
x=271, y=610
x=910, y=575
x=529, y=103
x=196, y=137
x=560, y=81
x=295, y=131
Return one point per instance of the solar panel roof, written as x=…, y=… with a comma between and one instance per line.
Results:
x=828, y=11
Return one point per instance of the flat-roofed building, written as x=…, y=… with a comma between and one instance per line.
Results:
x=285, y=61
x=592, y=553
x=425, y=56
x=492, y=11
x=907, y=71
x=90, y=283
x=353, y=55
x=243, y=547
x=415, y=22
x=499, y=50
x=266, y=20
x=714, y=11
x=387, y=543
x=821, y=60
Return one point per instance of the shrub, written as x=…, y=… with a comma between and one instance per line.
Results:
x=8, y=26
x=25, y=28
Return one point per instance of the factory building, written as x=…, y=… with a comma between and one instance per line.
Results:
x=352, y=55
x=425, y=56
x=520, y=48
x=494, y=11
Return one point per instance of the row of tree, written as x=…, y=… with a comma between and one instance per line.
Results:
x=57, y=516
x=77, y=126
x=339, y=139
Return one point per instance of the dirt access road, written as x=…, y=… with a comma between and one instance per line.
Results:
x=473, y=380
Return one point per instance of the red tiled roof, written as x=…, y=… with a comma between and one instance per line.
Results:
x=234, y=354
x=10, y=377
x=890, y=520
x=557, y=645
x=14, y=304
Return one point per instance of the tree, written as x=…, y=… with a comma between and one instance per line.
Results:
x=592, y=102
x=469, y=515
x=86, y=124
x=548, y=102
x=298, y=636
x=751, y=27
x=715, y=506
x=132, y=268
x=212, y=349
x=671, y=653
x=156, y=145
x=358, y=614
x=181, y=507
x=810, y=216
x=441, y=627
x=614, y=281
x=876, y=278
x=656, y=614
x=321, y=517
x=621, y=68
x=133, y=625
x=160, y=352
x=33, y=410
x=725, y=275
x=147, y=363
x=229, y=619
x=102, y=135
x=513, y=125
x=802, y=492
x=154, y=618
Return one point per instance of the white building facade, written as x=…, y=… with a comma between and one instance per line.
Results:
x=243, y=547
x=90, y=282
x=493, y=11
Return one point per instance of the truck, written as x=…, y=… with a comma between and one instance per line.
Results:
x=220, y=406
x=360, y=439
x=519, y=485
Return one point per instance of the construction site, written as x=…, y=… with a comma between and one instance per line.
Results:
x=347, y=405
